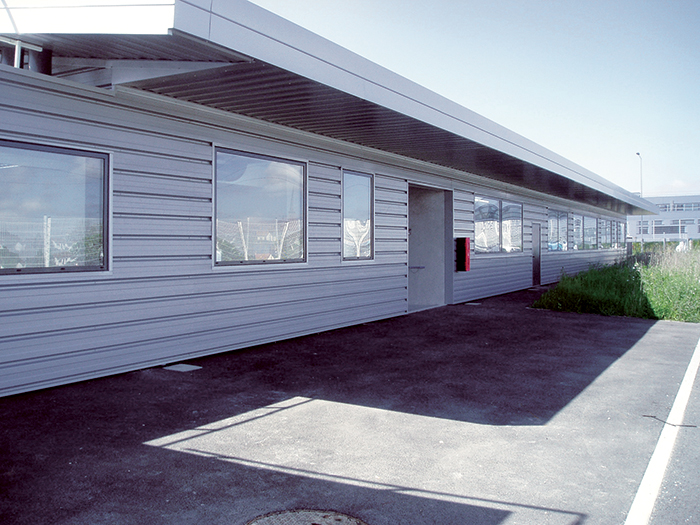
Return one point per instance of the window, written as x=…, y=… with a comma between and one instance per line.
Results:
x=260, y=209
x=618, y=231
x=558, y=230
x=622, y=235
x=487, y=225
x=577, y=232
x=53, y=211
x=604, y=234
x=357, y=216
x=590, y=233
x=498, y=226
x=512, y=227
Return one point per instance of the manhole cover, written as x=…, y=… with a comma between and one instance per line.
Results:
x=306, y=517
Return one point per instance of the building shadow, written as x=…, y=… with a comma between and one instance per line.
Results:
x=85, y=453
x=496, y=362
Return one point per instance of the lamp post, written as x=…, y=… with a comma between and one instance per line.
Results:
x=641, y=224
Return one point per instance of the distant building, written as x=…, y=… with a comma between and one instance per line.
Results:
x=678, y=219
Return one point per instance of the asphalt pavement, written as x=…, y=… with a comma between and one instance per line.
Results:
x=486, y=413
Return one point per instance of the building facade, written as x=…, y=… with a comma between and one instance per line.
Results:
x=223, y=178
x=678, y=219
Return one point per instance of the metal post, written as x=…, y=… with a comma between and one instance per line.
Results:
x=8, y=56
x=40, y=61
x=641, y=228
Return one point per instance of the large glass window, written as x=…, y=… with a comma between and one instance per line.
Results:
x=260, y=209
x=604, y=233
x=577, y=232
x=512, y=227
x=498, y=226
x=621, y=234
x=487, y=225
x=590, y=233
x=558, y=230
x=52, y=209
x=357, y=216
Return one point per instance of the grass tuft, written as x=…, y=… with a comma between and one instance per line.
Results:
x=661, y=285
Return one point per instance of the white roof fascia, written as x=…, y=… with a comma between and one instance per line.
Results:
x=154, y=17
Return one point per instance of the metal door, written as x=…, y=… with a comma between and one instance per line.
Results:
x=536, y=253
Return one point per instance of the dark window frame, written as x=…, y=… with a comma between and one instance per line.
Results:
x=556, y=216
x=105, y=194
x=304, y=209
x=371, y=177
x=501, y=249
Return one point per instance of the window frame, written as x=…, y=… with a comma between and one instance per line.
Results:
x=106, y=211
x=498, y=229
x=595, y=244
x=605, y=234
x=372, y=178
x=577, y=233
x=257, y=263
x=559, y=215
x=501, y=249
x=520, y=220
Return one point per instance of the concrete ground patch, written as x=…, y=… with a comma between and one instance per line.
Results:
x=491, y=414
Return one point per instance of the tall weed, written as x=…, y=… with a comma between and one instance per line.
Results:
x=671, y=281
x=609, y=290
x=659, y=285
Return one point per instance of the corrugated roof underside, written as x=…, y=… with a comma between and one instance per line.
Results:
x=265, y=92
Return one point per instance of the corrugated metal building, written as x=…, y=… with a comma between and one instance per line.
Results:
x=180, y=178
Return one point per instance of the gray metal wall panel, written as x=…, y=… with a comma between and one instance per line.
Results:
x=493, y=275
x=391, y=222
x=163, y=301
x=574, y=261
x=463, y=215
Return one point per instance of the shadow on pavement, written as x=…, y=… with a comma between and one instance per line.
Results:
x=496, y=362
x=76, y=454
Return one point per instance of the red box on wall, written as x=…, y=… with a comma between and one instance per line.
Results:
x=463, y=252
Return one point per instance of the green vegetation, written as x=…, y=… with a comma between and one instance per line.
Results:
x=651, y=285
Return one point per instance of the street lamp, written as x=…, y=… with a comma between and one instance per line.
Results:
x=640, y=174
x=641, y=225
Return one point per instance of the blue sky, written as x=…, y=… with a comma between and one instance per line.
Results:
x=595, y=81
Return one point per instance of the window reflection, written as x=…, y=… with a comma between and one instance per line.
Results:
x=590, y=233
x=487, y=219
x=512, y=227
x=498, y=226
x=577, y=232
x=558, y=231
x=259, y=208
x=357, y=216
x=52, y=208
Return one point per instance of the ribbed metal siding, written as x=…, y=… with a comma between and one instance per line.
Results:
x=492, y=274
x=164, y=301
x=571, y=262
x=574, y=261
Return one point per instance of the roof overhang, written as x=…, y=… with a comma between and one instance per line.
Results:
x=234, y=56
